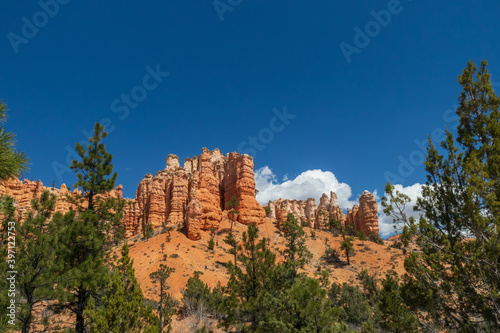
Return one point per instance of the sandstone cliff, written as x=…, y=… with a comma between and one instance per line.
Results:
x=364, y=217
x=195, y=195
x=24, y=191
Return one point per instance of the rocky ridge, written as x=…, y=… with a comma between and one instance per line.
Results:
x=364, y=216
x=196, y=194
x=24, y=191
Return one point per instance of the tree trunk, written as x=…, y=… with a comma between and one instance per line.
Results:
x=80, y=307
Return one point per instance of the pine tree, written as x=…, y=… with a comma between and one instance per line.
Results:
x=35, y=258
x=347, y=246
x=195, y=295
x=83, y=239
x=235, y=247
x=354, y=305
x=362, y=237
x=166, y=304
x=249, y=282
x=303, y=307
x=232, y=204
x=295, y=253
x=395, y=315
x=455, y=277
x=7, y=211
x=12, y=162
x=9, y=223
x=122, y=308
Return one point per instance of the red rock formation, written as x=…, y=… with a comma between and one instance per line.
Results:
x=250, y=210
x=178, y=197
x=197, y=195
x=215, y=178
x=24, y=192
x=194, y=217
x=364, y=218
x=322, y=213
x=335, y=210
x=368, y=213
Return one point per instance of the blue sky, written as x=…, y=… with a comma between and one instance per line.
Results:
x=232, y=67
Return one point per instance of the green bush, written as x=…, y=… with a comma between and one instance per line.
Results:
x=369, y=284
x=375, y=238
x=354, y=305
x=148, y=233
x=197, y=297
x=332, y=256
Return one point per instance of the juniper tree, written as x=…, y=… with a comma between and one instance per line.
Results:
x=455, y=277
x=12, y=161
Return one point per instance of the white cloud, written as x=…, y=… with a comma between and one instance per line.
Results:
x=313, y=183
x=385, y=223
x=309, y=184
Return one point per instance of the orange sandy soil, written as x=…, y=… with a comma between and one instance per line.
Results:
x=195, y=256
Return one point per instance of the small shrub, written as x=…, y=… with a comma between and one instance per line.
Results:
x=148, y=233
x=368, y=327
x=355, y=307
x=397, y=245
x=375, y=238
x=313, y=234
x=174, y=255
x=332, y=256
x=369, y=284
